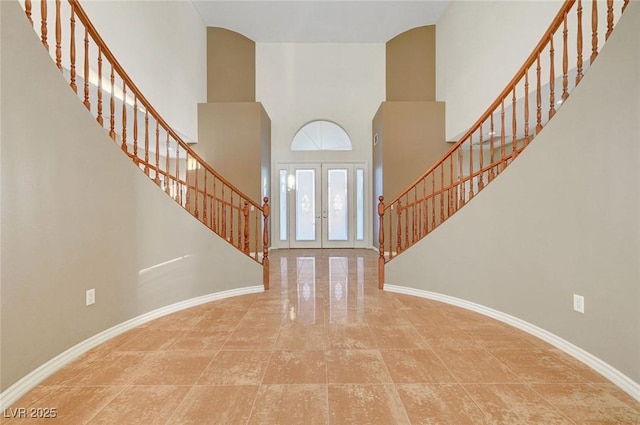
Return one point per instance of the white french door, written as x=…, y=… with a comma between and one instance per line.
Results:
x=322, y=205
x=305, y=206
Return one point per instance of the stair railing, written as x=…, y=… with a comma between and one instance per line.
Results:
x=107, y=91
x=556, y=66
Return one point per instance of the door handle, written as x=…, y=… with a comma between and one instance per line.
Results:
x=317, y=214
x=324, y=214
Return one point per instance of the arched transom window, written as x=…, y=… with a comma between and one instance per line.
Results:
x=321, y=136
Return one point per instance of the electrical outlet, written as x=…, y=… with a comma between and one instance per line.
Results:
x=91, y=296
x=578, y=303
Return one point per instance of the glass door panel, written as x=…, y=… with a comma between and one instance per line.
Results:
x=305, y=205
x=306, y=222
x=337, y=205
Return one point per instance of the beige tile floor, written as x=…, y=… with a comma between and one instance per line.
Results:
x=325, y=346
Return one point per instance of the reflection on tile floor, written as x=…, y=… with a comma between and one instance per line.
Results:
x=325, y=346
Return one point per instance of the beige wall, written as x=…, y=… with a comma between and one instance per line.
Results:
x=480, y=47
x=160, y=44
x=410, y=140
x=303, y=82
x=234, y=132
x=76, y=214
x=411, y=65
x=561, y=220
x=410, y=126
x=234, y=138
x=231, y=67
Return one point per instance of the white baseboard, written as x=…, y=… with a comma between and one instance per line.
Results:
x=17, y=390
x=618, y=378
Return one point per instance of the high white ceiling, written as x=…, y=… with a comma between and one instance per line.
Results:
x=327, y=21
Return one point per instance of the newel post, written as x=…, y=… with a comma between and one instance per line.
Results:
x=265, y=243
x=381, y=242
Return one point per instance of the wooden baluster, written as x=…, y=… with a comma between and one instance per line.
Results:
x=380, y=242
x=526, y=108
x=157, y=178
x=470, y=167
x=265, y=243
x=502, y=138
x=231, y=218
x=441, y=193
x=211, y=210
x=430, y=217
x=186, y=172
x=538, y=96
x=146, y=141
x=492, y=148
x=565, y=59
x=624, y=5
x=43, y=24
x=178, y=184
x=399, y=241
x=391, y=234
x=424, y=218
x=167, y=168
x=425, y=215
x=72, y=51
x=99, y=117
x=86, y=102
x=239, y=221
x=112, y=106
x=415, y=217
x=451, y=192
x=135, y=130
x=27, y=11
x=214, y=208
x=461, y=179
x=124, y=117
x=245, y=233
x=594, y=31
x=196, y=194
x=514, y=126
x=609, y=19
x=421, y=206
x=433, y=201
x=224, y=215
x=204, y=201
x=552, y=80
x=579, y=62
x=406, y=224
x=257, y=235
x=58, y=36
x=414, y=235
x=480, y=178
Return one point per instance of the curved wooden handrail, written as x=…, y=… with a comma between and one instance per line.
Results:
x=186, y=177
x=466, y=168
x=84, y=18
x=555, y=24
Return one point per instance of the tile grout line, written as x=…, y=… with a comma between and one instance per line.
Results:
x=485, y=415
x=260, y=384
